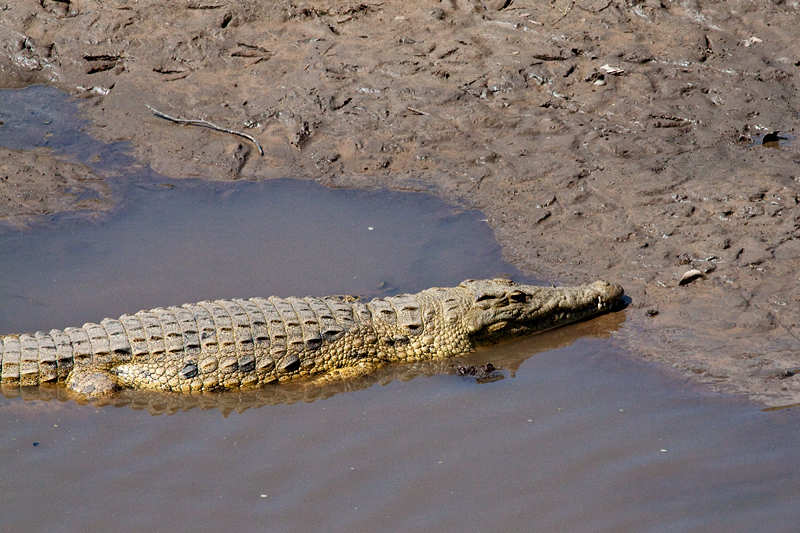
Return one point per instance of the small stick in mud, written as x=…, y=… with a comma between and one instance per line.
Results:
x=564, y=12
x=206, y=124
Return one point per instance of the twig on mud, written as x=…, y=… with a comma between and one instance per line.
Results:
x=206, y=124
x=256, y=62
x=417, y=111
x=564, y=13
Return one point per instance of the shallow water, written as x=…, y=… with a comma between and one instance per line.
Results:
x=199, y=241
x=578, y=436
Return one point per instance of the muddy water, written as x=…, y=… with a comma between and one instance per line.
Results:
x=578, y=436
x=197, y=241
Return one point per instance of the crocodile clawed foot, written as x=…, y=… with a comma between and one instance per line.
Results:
x=92, y=382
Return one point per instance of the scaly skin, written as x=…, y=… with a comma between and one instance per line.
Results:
x=245, y=343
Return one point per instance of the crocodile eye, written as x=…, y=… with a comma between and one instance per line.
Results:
x=518, y=297
x=485, y=296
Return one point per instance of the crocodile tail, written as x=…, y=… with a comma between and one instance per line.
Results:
x=33, y=359
x=48, y=357
x=261, y=334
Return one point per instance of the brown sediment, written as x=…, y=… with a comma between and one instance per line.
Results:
x=601, y=139
x=34, y=184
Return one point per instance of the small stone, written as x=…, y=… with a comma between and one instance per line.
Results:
x=613, y=71
x=691, y=275
x=437, y=14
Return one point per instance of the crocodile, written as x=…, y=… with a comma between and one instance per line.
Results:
x=226, y=344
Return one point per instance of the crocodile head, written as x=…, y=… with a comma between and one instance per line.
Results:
x=501, y=309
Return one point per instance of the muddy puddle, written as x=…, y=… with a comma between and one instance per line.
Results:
x=577, y=436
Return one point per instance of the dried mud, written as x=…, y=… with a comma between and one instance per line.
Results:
x=601, y=138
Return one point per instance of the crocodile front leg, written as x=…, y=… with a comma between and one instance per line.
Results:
x=88, y=381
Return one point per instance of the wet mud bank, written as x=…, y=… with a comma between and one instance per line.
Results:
x=601, y=138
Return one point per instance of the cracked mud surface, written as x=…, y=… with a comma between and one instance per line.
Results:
x=601, y=138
